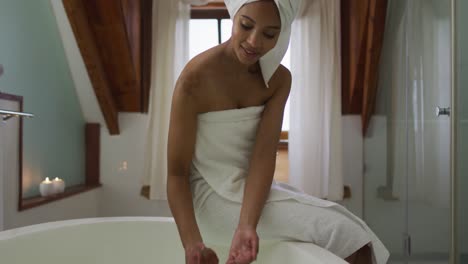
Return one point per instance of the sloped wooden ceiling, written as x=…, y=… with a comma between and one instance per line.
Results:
x=114, y=38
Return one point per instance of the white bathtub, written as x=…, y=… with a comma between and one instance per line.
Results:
x=126, y=240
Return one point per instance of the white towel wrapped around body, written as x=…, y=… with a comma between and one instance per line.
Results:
x=223, y=148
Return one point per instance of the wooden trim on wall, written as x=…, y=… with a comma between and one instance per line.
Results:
x=89, y=51
x=92, y=168
x=145, y=191
x=32, y=202
x=93, y=150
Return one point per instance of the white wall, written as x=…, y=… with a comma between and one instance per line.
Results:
x=122, y=170
x=353, y=162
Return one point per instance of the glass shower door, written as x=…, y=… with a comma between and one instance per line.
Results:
x=428, y=130
x=385, y=154
x=462, y=131
x=407, y=151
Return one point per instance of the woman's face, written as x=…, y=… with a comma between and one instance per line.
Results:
x=255, y=31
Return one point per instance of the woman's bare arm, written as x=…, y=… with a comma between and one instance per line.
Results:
x=181, y=145
x=263, y=160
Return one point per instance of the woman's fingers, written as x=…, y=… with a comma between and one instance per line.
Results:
x=242, y=256
x=244, y=248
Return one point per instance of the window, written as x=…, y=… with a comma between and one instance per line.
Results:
x=207, y=31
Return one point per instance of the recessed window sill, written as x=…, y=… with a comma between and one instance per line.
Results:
x=32, y=202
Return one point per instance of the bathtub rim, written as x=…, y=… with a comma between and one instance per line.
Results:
x=43, y=227
x=36, y=228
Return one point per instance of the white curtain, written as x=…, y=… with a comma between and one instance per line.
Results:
x=170, y=54
x=315, y=147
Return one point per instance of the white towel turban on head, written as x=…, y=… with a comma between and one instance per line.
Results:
x=287, y=10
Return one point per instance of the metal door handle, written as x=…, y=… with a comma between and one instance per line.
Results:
x=442, y=111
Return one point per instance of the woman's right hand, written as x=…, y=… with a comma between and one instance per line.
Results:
x=199, y=254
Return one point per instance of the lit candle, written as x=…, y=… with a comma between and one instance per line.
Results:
x=58, y=185
x=46, y=188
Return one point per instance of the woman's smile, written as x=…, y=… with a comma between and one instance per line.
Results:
x=249, y=54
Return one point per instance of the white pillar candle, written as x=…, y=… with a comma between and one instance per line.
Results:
x=46, y=188
x=58, y=185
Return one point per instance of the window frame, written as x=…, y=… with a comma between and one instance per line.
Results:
x=216, y=11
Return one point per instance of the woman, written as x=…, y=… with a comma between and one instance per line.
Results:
x=226, y=119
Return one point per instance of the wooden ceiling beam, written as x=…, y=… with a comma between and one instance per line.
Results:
x=78, y=18
x=146, y=51
x=107, y=21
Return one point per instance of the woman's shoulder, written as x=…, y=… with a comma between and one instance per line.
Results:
x=282, y=77
x=205, y=60
x=192, y=81
x=201, y=65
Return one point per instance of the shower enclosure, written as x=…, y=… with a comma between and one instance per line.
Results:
x=413, y=151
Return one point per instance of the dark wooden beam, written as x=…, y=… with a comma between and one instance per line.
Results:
x=107, y=21
x=132, y=20
x=93, y=153
x=78, y=18
x=146, y=51
x=212, y=10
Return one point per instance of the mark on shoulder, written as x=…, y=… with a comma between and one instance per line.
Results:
x=188, y=82
x=191, y=86
x=198, y=70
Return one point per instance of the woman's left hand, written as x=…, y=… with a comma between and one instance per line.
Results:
x=244, y=246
